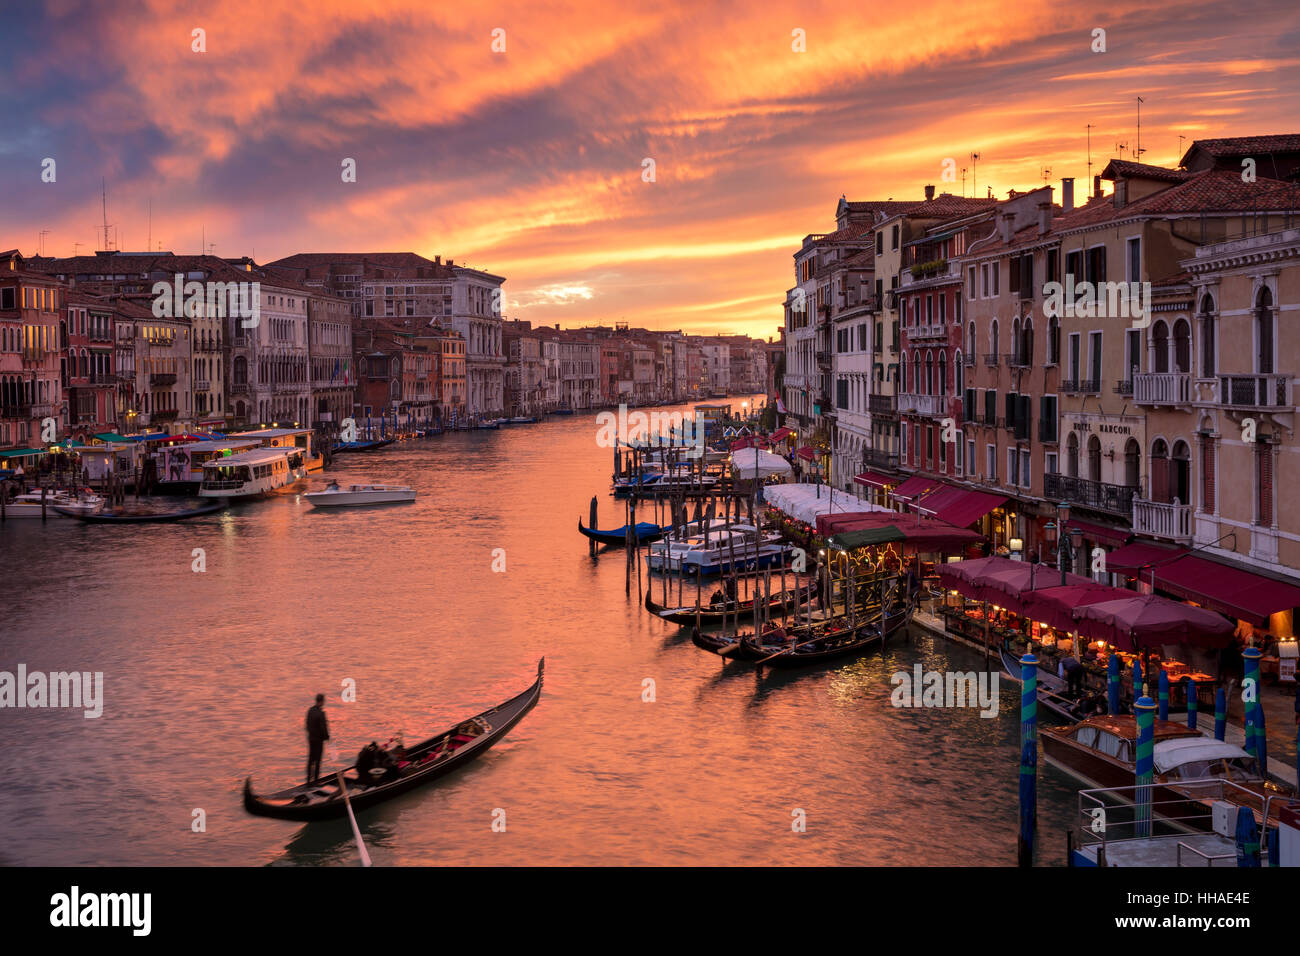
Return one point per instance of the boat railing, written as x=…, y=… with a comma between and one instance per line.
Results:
x=1209, y=859
x=1108, y=815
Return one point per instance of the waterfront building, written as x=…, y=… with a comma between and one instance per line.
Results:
x=525, y=370
x=329, y=350
x=32, y=306
x=88, y=368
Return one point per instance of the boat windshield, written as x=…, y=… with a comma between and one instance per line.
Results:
x=1231, y=768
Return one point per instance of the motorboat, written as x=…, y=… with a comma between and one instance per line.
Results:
x=720, y=550
x=58, y=504
x=338, y=496
x=252, y=474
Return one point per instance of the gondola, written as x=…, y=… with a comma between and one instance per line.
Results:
x=347, y=446
x=138, y=517
x=644, y=531
x=424, y=762
x=815, y=647
x=713, y=615
x=1051, y=690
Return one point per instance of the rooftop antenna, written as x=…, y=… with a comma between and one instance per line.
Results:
x=103, y=198
x=1180, y=148
x=1047, y=175
x=40, y=241
x=1120, y=148
x=1138, y=150
x=75, y=247
x=974, y=182
x=149, y=240
x=1089, y=128
x=963, y=181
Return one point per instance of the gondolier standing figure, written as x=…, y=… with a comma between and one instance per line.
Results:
x=318, y=731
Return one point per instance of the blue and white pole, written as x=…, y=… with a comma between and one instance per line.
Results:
x=1028, y=759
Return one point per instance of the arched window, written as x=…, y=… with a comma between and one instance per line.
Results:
x=958, y=374
x=993, y=339
x=1072, y=455
x=929, y=373
x=1180, y=474
x=1208, y=333
x=1264, y=331
x=239, y=370
x=1094, y=458
x=1053, y=340
x=1159, y=470
x=1015, y=340
x=902, y=373
x=1132, y=462
x=1027, y=342
x=917, y=385
x=943, y=373
x=1182, y=346
x=1160, y=347
x=970, y=340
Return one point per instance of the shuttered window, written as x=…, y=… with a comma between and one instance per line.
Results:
x=1264, y=490
x=1208, y=477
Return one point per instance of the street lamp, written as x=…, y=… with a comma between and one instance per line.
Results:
x=1068, y=541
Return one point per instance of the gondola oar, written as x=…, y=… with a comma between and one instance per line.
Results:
x=356, y=831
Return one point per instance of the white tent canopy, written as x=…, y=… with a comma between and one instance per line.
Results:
x=754, y=462
x=804, y=502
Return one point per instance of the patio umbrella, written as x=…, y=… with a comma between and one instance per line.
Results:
x=1008, y=586
x=1055, y=605
x=1148, y=620
x=754, y=463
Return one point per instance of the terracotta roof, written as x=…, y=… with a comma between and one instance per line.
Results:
x=1233, y=146
x=386, y=264
x=1213, y=190
x=1123, y=169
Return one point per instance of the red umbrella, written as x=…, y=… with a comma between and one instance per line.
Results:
x=1055, y=605
x=1007, y=587
x=1148, y=620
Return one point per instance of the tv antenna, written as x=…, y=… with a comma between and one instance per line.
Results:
x=974, y=181
x=1089, y=129
x=1138, y=150
x=40, y=241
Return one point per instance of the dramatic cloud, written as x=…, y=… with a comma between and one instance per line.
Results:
x=530, y=162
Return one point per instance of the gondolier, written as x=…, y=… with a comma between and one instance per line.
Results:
x=318, y=731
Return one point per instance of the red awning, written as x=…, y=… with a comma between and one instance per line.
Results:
x=756, y=441
x=914, y=486
x=933, y=502
x=1115, y=537
x=875, y=479
x=807, y=453
x=969, y=507
x=1226, y=588
x=919, y=534
x=780, y=434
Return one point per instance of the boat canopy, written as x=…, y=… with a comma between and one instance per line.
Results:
x=754, y=463
x=1169, y=754
x=258, y=456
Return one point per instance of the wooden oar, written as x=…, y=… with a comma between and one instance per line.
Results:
x=352, y=818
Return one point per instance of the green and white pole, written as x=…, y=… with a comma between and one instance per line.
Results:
x=1144, y=708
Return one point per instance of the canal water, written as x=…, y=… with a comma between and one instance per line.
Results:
x=208, y=674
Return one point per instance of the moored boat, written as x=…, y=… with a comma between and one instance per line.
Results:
x=145, y=516
x=345, y=447
x=251, y=474
x=826, y=640
x=426, y=761
x=1052, y=695
x=336, y=496
x=617, y=537
x=58, y=504
x=713, y=615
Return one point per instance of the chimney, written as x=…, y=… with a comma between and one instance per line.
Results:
x=929, y=192
x=437, y=260
x=1044, y=218
x=1096, y=185
x=449, y=263
x=1004, y=227
x=1067, y=193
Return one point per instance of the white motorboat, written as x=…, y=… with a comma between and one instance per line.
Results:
x=719, y=551
x=335, y=496
x=29, y=505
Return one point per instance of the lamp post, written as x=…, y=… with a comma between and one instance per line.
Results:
x=1067, y=541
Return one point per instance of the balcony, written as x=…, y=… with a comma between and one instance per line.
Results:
x=1163, y=519
x=968, y=361
x=42, y=411
x=1124, y=388
x=931, y=330
x=1162, y=388
x=1014, y=360
x=928, y=406
x=876, y=458
x=162, y=379
x=991, y=361
x=1261, y=392
x=1090, y=386
x=884, y=405
x=239, y=388
x=1113, y=499
x=163, y=415
x=202, y=385
x=824, y=357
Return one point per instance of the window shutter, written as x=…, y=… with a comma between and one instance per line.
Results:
x=1009, y=404
x=1207, y=475
x=1263, y=449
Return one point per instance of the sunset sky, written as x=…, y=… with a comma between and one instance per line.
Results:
x=528, y=163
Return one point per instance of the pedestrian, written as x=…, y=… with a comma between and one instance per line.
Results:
x=318, y=731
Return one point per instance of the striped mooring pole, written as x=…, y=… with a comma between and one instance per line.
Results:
x=1112, y=684
x=1144, y=708
x=1220, y=713
x=1250, y=697
x=1163, y=685
x=1028, y=759
x=1137, y=679
x=1191, y=703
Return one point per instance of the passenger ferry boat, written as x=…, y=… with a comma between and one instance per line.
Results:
x=251, y=474
x=665, y=481
x=738, y=549
x=180, y=467
x=299, y=438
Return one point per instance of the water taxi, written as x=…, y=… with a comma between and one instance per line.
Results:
x=251, y=474
x=335, y=496
x=301, y=439
x=720, y=551
x=58, y=504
